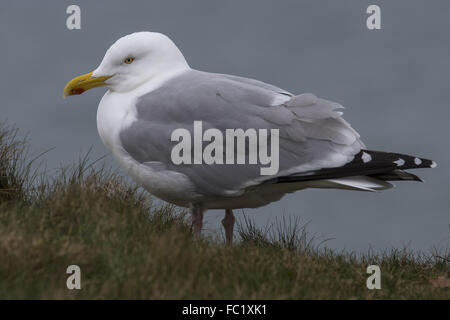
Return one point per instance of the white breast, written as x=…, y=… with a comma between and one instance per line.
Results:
x=114, y=111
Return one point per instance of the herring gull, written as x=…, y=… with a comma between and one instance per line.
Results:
x=153, y=93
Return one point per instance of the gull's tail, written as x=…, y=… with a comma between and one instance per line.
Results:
x=368, y=171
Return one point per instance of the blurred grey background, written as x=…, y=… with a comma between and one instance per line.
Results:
x=394, y=83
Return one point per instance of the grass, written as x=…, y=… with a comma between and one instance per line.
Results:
x=128, y=248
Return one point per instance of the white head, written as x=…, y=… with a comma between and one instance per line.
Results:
x=131, y=61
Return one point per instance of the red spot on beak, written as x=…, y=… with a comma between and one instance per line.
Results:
x=77, y=91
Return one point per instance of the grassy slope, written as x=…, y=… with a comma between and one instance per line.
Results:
x=126, y=249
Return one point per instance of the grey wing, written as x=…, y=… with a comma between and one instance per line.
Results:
x=312, y=134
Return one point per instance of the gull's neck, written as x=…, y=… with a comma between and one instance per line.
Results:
x=158, y=79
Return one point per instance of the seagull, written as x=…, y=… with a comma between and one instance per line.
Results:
x=152, y=93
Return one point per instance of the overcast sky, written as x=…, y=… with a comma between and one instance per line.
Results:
x=394, y=83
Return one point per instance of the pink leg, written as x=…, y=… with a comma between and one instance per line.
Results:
x=197, y=220
x=228, y=224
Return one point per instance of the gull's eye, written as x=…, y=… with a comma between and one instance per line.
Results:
x=128, y=60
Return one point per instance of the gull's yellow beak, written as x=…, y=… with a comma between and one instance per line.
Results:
x=83, y=83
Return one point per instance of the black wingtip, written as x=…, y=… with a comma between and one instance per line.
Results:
x=397, y=160
x=397, y=175
x=387, y=166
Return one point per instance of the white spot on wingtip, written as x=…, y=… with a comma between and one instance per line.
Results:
x=417, y=161
x=366, y=157
x=433, y=164
x=399, y=162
